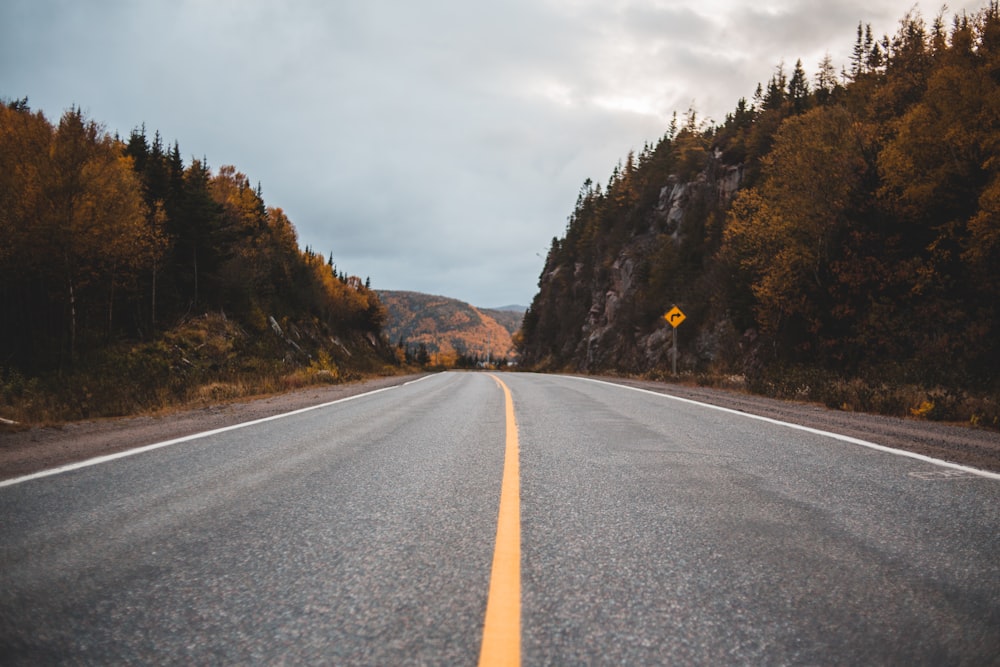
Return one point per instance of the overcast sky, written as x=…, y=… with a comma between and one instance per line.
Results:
x=435, y=145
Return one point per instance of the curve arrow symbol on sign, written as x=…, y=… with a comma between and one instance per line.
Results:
x=674, y=317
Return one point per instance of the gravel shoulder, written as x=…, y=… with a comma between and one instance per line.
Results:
x=29, y=451
x=957, y=443
x=35, y=449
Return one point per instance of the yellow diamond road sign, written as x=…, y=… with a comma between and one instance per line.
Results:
x=674, y=317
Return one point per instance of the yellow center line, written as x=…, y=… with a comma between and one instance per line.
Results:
x=502, y=628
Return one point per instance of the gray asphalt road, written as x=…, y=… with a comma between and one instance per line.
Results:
x=653, y=532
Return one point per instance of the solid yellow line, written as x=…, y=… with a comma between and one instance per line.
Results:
x=502, y=628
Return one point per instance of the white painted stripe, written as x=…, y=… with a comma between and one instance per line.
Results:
x=807, y=429
x=426, y=377
x=194, y=436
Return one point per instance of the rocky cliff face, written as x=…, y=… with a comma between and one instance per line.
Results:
x=629, y=285
x=716, y=185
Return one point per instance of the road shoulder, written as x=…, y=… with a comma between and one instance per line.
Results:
x=36, y=449
x=27, y=452
x=965, y=445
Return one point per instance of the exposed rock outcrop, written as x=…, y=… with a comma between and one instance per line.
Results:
x=681, y=203
x=613, y=334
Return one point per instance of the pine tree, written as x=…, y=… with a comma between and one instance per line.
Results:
x=137, y=148
x=858, y=55
x=826, y=80
x=798, y=89
x=776, y=89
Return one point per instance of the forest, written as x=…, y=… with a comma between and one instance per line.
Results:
x=442, y=332
x=112, y=246
x=859, y=253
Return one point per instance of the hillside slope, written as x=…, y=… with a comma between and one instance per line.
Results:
x=445, y=326
x=824, y=243
x=508, y=317
x=132, y=281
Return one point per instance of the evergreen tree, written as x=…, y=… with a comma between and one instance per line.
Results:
x=798, y=89
x=826, y=80
x=776, y=89
x=858, y=54
x=137, y=148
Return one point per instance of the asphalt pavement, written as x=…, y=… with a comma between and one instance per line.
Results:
x=653, y=531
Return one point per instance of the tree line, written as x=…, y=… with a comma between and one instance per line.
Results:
x=105, y=239
x=864, y=238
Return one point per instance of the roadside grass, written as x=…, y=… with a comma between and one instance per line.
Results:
x=875, y=396
x=204, y=361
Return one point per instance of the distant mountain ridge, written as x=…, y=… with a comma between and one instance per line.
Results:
x=447, y=326
x=509, y=317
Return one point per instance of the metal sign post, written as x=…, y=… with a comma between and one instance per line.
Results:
x=674, y=317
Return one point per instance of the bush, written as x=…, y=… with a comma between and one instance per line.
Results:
x=206, y=359
x=879, y=396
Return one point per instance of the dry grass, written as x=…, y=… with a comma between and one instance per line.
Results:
x=858, y=395
x=204, y=361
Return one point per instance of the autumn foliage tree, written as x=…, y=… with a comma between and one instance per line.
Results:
x=786, y=234
x=79, y=238
x=864, y=239
x=106, y=239
x=872, y=236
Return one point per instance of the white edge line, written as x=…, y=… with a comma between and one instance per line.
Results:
x=97, y=460
x=807, y=429
x=426, y=377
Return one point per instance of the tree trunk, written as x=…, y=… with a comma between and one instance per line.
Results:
x=72, y=324
x=111, y=302
x=194, y=253
x=153, y=305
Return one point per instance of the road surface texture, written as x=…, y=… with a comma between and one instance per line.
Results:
x=652, y=531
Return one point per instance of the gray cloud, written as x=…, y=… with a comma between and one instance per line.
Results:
x=434, y=146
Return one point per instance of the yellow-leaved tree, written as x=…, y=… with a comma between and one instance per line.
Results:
x=74, y=224
x=784, y=234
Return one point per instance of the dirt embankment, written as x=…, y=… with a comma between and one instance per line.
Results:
x=28, y=451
